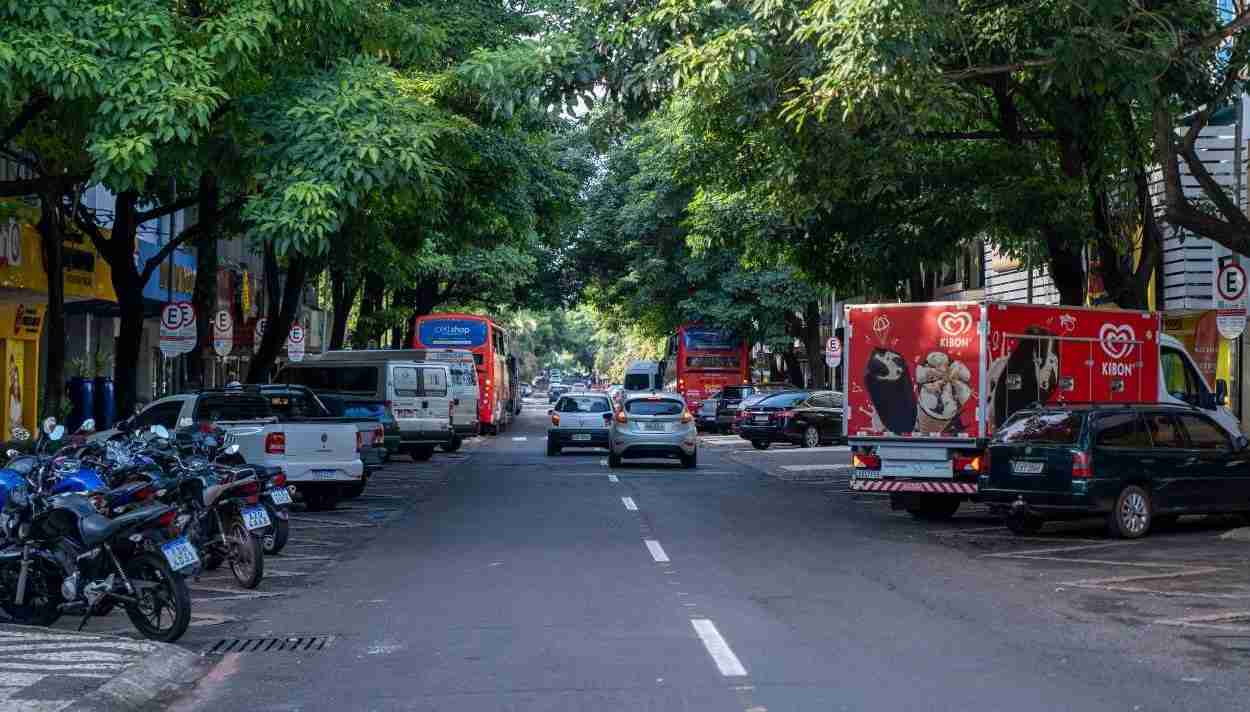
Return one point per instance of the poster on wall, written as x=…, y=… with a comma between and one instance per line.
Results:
x=14, y=374
x=223, y=333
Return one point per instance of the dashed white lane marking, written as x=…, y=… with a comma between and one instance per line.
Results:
x=613, y=478
x=657, y=551
x=520, y=439
x=629, y=504
x=721, y=653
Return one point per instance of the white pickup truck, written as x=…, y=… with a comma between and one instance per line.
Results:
x=319, y=459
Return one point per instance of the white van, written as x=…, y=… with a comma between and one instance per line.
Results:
x=643, y=376
x=417, y=395
x=463, y=387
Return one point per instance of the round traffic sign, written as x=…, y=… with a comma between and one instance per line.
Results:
x=297, y=334
x=171, y=316
x=1231, y=282
x=222, y=322
x=186, y=314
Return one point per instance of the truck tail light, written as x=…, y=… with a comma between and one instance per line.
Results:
x=279, y=480
x=275, y=444
x=975, y=465
x=1080, y=465
x=864, y=461
x=379, y=436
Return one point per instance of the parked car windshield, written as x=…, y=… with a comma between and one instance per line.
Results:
x=1051, y=427
x=784, y=400
x=661, y=406
x=583, y=404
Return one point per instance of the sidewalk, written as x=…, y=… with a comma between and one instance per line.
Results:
x=44, y=670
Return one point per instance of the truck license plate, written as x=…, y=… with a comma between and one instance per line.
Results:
x=180, y=553
x=255, y=518
x=1027, y=468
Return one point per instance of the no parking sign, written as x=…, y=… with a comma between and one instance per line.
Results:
x=1230, y=297
x=295, y=343
x=833, y=352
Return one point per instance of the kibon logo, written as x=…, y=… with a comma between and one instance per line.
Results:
x=1117, y=342
x=955, y=327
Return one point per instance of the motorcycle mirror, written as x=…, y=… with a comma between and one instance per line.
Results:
x=48, y=424
x=57, y=433
x=11, y=453
x=232, y=449
x=88, y=426
x=160, y=431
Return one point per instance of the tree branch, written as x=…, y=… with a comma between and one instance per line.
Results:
x=33, y=108
x=959, y=75
x=35, y=186
x=168, y=208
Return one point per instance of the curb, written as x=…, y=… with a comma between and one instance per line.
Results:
x=163, y=672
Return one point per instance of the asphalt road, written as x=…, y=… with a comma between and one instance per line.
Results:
x=533, y=583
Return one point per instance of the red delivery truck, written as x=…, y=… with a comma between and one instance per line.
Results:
x=927, y=384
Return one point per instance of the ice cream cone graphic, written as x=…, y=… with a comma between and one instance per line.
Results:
x=943, y=387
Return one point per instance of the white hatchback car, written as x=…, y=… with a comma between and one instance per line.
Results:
x=579, y=420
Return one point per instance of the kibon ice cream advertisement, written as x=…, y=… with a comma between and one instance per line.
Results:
x=917, y=370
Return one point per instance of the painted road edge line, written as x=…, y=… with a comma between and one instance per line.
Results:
x=520, y=439
x=728, y=663
x=657, y=551
x=613, y=478
x=629, y=504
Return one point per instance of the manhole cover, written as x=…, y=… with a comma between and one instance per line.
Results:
x=286, y=644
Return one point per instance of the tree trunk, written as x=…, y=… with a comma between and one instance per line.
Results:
x=794, y=374
x=811, y=341
x=118, y=250
x=344, y=295
x=205, y=297
x=52, y=236
x=281, y=312
x=1067, y=267
x=370, y=304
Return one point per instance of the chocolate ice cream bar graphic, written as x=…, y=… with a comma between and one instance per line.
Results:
x=890, y=388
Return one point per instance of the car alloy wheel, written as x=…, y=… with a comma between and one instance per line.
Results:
x=1134, y=513
x=811, y=437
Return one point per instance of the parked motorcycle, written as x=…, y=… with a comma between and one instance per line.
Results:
x=64, y=556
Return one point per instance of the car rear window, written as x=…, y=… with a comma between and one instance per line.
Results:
x=357, y=379
x=659, y=406
x=1054, y=428
x=784, y=400
x=1121, y=430
x=583, y=404
x=240, y=407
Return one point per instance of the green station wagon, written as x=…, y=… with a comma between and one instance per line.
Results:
x=1136, y=465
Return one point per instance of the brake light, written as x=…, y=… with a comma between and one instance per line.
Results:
x=621, y=417
x=275, y=443
x=247, y=490
x=864, y=461
x=1080, y=465
x=379, y=436
x=279, y=480
x=555, y=418
x=975, y=465
x=686, y=417
x=167, y=519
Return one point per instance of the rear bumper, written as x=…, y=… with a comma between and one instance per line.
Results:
x=590, y=437
x=305, y=473
x=1004, y=501
x=860, y=484
x=656, y=444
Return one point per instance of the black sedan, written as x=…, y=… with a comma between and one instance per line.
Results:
x=806, y=418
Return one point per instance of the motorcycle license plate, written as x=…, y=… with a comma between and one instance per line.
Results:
x=180, y=554
x=581, y=438
x=280, y=496
x=255, y=518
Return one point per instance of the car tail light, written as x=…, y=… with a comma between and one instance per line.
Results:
x=1080, y=465
x=275, y=444
x=555, y=418
x=621, y=417
x=360, y=440
x=974, y=465
x=279, y=480
x=379, y=436
x=864, y=461
x=686, y=417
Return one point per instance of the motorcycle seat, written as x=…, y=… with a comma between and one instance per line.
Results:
x=97, y=529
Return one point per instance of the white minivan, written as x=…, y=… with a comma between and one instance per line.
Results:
x=417, y=394
x=643, y=376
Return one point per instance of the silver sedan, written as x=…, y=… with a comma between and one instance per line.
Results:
x=653, y=425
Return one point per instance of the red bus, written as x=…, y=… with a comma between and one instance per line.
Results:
x=704, y=360
x=488, y=342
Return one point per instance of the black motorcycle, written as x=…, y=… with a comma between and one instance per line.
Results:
x=65, y=556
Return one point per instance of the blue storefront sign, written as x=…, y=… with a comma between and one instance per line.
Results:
x=452, y=332
x=176, y=284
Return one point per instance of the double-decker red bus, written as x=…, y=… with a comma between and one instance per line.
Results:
x=701, y=360
x=488, y=343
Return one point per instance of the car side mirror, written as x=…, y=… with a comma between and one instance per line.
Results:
x=1221, y=392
